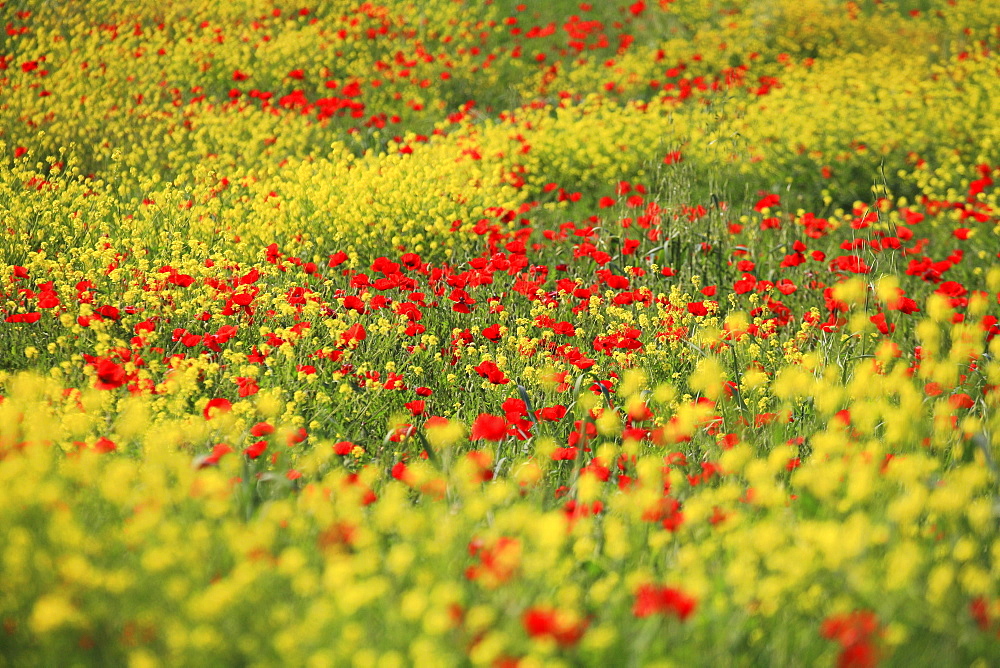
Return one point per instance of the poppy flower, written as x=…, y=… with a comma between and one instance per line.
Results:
x=261, y=429
x=491, y=372
x=541, y=622
x=463, y=301
x=514, y=408
x=247, y=386
x=489, y=427
x=255, y=450
x=220, y=450
x=401, y=433
x=343, y=448
x=216, y=407
x=652, y=599
x=354, y=334
x=48, y=300
x=961, y=400
x=28, y=318
x=399, y=471
x=109, y=375
x=672, y=158
x=884, y=327
x=417, y=407
x=854, y=632
x=492, y=332
x=767, y=202
x=105, y=445
x=551, y=413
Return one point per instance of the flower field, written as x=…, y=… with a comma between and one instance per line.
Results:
x=452, y=333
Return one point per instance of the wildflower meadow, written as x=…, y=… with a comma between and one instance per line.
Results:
x=486, y=333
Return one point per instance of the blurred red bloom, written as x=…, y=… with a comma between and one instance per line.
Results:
x=104, y=445
x=961, y=400
x=489, y=427
x=216, y=407
x=213, y=458
x=767, y=202
x=551, y=413
x=879, y=321
x=261, y=429
x=343, y=448
x=109, y=375
x=399, y=471
x=652, y=599
x=255, y=450
x=854, y=632
x=542, y=622
x=247, y=386
x=418, y=407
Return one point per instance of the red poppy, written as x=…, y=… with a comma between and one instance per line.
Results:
x=979, y=609
x=355, y=333
x=961, y=400
x=488, y=427
x=212, y=459
x=497, y=562
x=491, y=372
x=697, y=308
x=651, y=599
x=417, y=407
x=109, y=375
x=767, y=202
x=48, y=300
x=261, y=429
x=492, y=332
x=247, y=386
x=343, y=448
x=883, y=327
x=104, y=445
x=463, y=301
x=401, y=433
x=672, y=158
x=514, y=409
x=854, y=632
x=542, y=622
x=28, y=318
x=255, y=450
x=640, y=412
x=551, y=413
x=399, y=471
x=217, y=407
